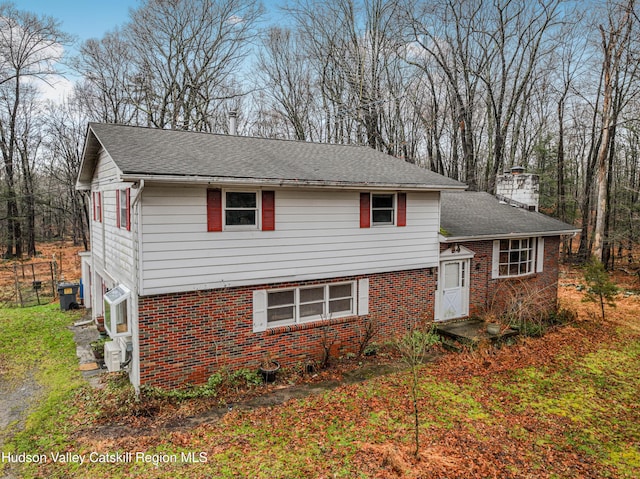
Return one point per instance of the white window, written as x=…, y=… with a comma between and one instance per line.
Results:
x=241, y=209
x=123, y=207
x=116, y=311
x=310, y=303
x=513, y=257
x=97, y=206
x=281, y=306
x=382, y=209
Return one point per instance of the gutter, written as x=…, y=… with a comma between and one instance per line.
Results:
x=458, y=239
x=292, y=183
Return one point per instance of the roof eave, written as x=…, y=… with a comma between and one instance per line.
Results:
x=276, y=182
x=458, y=239
x=89, y=156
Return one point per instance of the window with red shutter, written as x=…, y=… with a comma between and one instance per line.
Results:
x=118, y=214
x=402, y=209
x=365, y=210
x=268, y=211
x=214, y=210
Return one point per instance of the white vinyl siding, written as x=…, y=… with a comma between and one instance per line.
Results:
x=112, y=247
x=318, y=235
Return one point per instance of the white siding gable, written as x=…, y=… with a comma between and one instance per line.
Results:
x=317, y=236
x=112, y=247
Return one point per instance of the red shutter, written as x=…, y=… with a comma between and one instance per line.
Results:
x=365, y=210
x=214, y=210
x=268, y=210
x=128, y=209
x=117, y=208
x=402, y=209
x=93, y=203
x=99, y=207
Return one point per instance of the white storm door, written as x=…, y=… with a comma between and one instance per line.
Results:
x=454, y=301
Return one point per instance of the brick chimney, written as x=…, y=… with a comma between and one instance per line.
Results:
x=518, y=188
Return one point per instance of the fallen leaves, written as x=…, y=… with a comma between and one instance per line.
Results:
x=541, y=408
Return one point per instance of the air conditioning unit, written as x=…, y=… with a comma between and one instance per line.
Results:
x=112, y=356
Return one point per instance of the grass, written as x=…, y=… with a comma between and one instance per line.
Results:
x=570, y=410
x=36, y=342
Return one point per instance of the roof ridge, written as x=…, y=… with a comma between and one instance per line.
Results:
x=226, y=135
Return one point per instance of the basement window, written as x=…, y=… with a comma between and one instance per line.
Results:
x=299, y=305
x=116, y=311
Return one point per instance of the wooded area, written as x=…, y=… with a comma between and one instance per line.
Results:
x=467, y=88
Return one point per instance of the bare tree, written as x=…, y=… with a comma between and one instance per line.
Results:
x=186, y=54
x=30, y=47
x=515, y=36
x=616, y=37
x=108, y=90
x=442, y=35
x=352, y=46
x=65, y=129
x=171, y=66
x=286, y=75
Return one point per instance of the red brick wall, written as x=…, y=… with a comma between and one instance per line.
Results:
x=186, y=337
x=486, y=292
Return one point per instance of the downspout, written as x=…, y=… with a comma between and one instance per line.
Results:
x=138, y=215
x=133, y=356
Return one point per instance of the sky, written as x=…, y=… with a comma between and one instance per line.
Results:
x=82, y=18
x=86, y=19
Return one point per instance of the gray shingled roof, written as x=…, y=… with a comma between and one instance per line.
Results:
x=467, y=215
x=141, y=152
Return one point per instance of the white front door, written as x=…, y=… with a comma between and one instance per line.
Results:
x=454, y=289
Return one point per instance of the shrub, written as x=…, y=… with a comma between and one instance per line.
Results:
x=600, y=287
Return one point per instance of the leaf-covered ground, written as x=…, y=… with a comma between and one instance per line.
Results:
x=563, y=406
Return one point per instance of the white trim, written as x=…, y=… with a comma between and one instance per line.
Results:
x=297, y=319
x=363, y=297
x=123, y=207
x=460, y=252
x=540, y=255
x=464, y=280
x=394, y=209
x=111, y=325
x=535, y=234
x=259, y=310
x=285, y=276
x=224, y=181
x=495, y=260
x=257, y=209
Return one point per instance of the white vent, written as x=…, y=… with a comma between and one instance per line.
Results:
x=112, y=356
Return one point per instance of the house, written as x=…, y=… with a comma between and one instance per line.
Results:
x=493, y=252
x=211, y=251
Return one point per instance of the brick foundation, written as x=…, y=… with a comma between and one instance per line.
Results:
x=186, y=337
